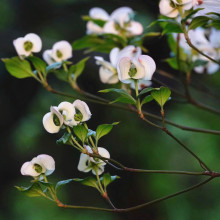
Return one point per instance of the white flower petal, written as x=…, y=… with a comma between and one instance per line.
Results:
x=19, y=47
x=48, y=162
x=121, y=15
x=27, y=169
x=68, y=112
x=35, y=40
x=141, y=84
x=135, y=28
x=140, y=69
x=106, y=76
x=167, y=10
x=93, y=28
x=83, y=108
x=114, y=56
x=100, y=170
x=215, y=38
x=109, y=28
x=64, y=48
x=149, y=66
x=84, y=163
x=49, y=125
x=47, y=56
x=212, y=67
x=123, y=68
x=98, y=13
x=104, y=153
x=129, y=51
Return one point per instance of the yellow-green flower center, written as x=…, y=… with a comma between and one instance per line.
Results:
x=28, y=45
x=38, y=168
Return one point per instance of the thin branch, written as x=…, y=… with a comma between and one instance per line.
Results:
x=138, y=206
x=124, y=168
x=114, y=105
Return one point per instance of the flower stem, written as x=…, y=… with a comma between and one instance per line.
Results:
x=74, y=140
x=90, y=138
x=99, y=183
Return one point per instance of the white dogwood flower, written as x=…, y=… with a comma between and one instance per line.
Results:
x=96, y=13
x=120, y=23
x=30, y=43
x=60, y=52
x=68, y=112
x=47, y=56
x=142, y=67
x=108, y=70
x=82, y=112
x=206, y=41
x=87, y=163
x=42, y=164
x=53, y=120
x=170, y=9
x=208, y=6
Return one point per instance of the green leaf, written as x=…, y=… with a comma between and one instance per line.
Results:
x=89, y=181
x=191, y=13
x=173, y=27
x=99, y=22
x=62, y=75
x=32, y=191
x=168, y=25
x=198, y=63
x=62, y=183
x=81, y=132
x=161, y=95
x=147, y=99
x=100, y=43
x=107, y=179
x=124, y=96
x=18, y=68
x=104, y=129
x=183, y=64
x=78, y=68
x=65, y=139
x=38, y=63
x=198, y=22
x=146, y=90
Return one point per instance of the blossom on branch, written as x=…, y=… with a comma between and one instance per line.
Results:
x=42, y=164
x=66, y=113
x=120, y=22
x=25, y=46
x=87, y=163
x=206, y=41
x=170, y=8
x=82, y=112
x=108, y=70
x=96, y=13
x=61, y=51
x=142, y=67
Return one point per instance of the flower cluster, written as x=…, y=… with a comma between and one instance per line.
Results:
x=125, y=65
x=31, y=43
x=207, y=41
x=42, y=164
x=87, y=163
x=120, y=22
x=171, y=8
x=66, y=113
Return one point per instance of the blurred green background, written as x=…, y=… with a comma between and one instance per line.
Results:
x=132, y=142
